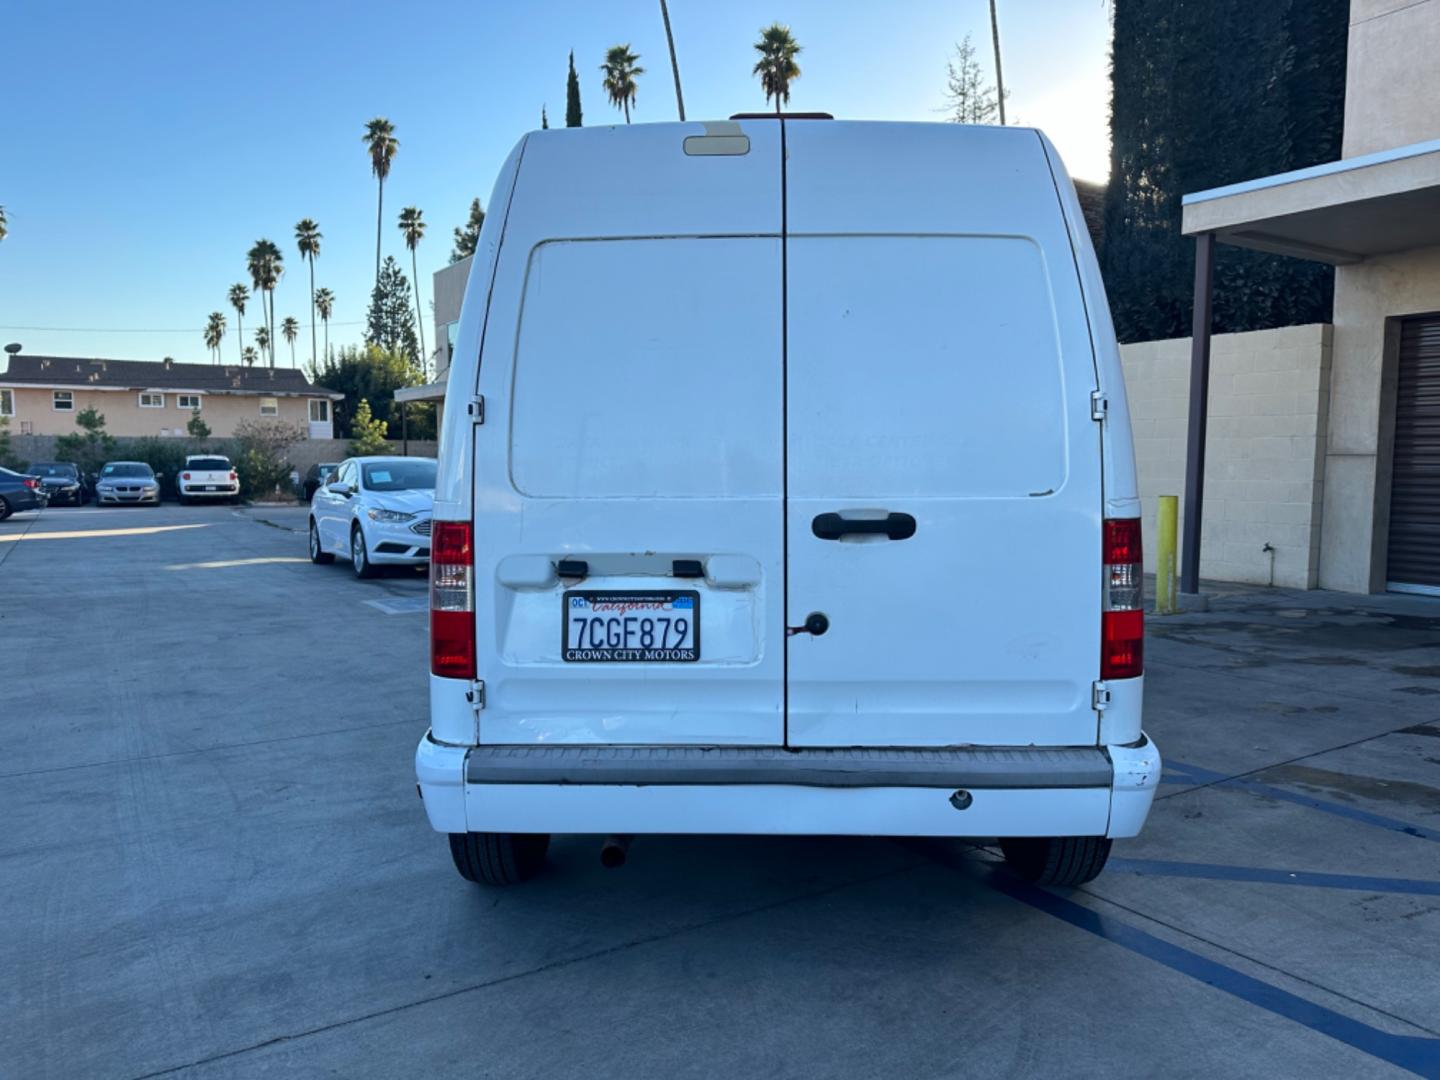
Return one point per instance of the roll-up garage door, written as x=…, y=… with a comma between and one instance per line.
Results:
x=1415, y=485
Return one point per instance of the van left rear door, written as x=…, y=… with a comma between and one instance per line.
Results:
x=628, y=475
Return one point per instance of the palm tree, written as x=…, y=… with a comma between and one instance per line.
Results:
x=262, y=339
x=307, y=239
x=325, y=305
x=266, y=264
x=776, y=67
x=290, y=329
x=379, y=139
x=620, y=70
x=215, y=332
x=238, y=295
x=247, y=355
x=413, y=226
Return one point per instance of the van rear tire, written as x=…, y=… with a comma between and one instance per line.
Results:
x=498, y=858
x=1057, y=860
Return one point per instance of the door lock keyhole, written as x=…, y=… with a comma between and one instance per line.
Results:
x=815, y=623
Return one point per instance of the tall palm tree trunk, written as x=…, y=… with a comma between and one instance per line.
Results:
x=419, y=318
x=327, y=341
x=313, y=360
x=270, y=296
x=240, y=336
x=627, y=110
x=674, y=63
x=379, y=214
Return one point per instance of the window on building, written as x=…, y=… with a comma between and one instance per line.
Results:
x=63, y=401
x=188, y=402
x=152, y=401
x=319, y=411
x=7, y=403
x=269, y=406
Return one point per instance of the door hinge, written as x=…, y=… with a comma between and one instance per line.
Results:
x=476, y=409
x=1099, y=696
x=476, y=695
x=1099, y=405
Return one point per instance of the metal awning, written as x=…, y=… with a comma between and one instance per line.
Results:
x=1340, y=212
x=434, y=391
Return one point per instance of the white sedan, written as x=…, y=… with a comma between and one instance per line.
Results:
x=374, y=511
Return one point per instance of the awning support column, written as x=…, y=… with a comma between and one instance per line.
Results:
x=1199, y=411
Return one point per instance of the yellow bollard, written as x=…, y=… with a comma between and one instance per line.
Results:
x=1165, y=530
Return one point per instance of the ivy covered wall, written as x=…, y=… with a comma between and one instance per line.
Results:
x=1207, y=93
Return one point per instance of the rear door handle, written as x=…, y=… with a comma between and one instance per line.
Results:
x=833, y=526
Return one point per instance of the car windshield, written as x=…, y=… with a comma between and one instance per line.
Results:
x=127, y=469
x=402, y=474
x=208, y=463
x=47, y=468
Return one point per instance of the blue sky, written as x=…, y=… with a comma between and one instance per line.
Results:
x=144, y=147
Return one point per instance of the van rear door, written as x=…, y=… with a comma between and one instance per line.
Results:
x=942, y=465
x=628, y=474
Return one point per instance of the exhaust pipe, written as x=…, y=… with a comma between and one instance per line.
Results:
x=613, y=850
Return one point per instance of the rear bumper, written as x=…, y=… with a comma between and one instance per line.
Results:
x=1080, y=791
x=227, y=491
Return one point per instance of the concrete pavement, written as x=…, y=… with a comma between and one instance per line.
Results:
x=213, y=862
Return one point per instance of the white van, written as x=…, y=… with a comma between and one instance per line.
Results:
x=786, y=486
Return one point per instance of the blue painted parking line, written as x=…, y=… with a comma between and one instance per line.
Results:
x=1218, y=872
x=1200, y=775
x=1418, y=1054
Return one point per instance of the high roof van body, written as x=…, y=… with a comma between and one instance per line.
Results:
x=786, y=486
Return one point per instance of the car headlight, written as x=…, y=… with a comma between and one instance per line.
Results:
x=377, y=513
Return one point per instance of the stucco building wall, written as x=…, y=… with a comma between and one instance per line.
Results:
x=1392, y=82
x=1370, y=297
x=124, y=415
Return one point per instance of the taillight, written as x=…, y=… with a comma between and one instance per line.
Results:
x=31, y=483
x=452, y=599
x=184, y=476
x=1122, y=621
x=234, y=475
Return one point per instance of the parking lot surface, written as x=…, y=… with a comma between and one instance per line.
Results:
x=213, y=862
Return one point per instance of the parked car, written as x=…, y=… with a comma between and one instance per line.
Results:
x=375, y=511
x=127, y=482
x=207, y=476
x=19, y=492
x=317, y=475
x=62, y=482
x=856, y=551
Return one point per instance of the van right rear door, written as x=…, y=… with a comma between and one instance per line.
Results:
x=942, y=466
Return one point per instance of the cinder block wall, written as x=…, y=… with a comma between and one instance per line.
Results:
x=1264, y=468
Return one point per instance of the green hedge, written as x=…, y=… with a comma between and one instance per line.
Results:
x=1207, y=94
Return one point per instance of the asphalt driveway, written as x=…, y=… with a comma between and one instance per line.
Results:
x=213, y=861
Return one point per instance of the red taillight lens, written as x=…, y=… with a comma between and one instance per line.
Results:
x=184, y=476
x=234, y=475
x=452, y=600
x=31, y=483
x=1122, y=621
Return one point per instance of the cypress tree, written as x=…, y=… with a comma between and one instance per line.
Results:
x=390, y=322
x=1196, y=105
x=573, y=116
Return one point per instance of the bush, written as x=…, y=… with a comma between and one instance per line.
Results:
x=369, y=433
x=8, y=460
x=264, y=470
x=165, y=456
x=89, y=448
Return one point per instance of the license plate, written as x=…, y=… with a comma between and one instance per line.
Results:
x=631, y=627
